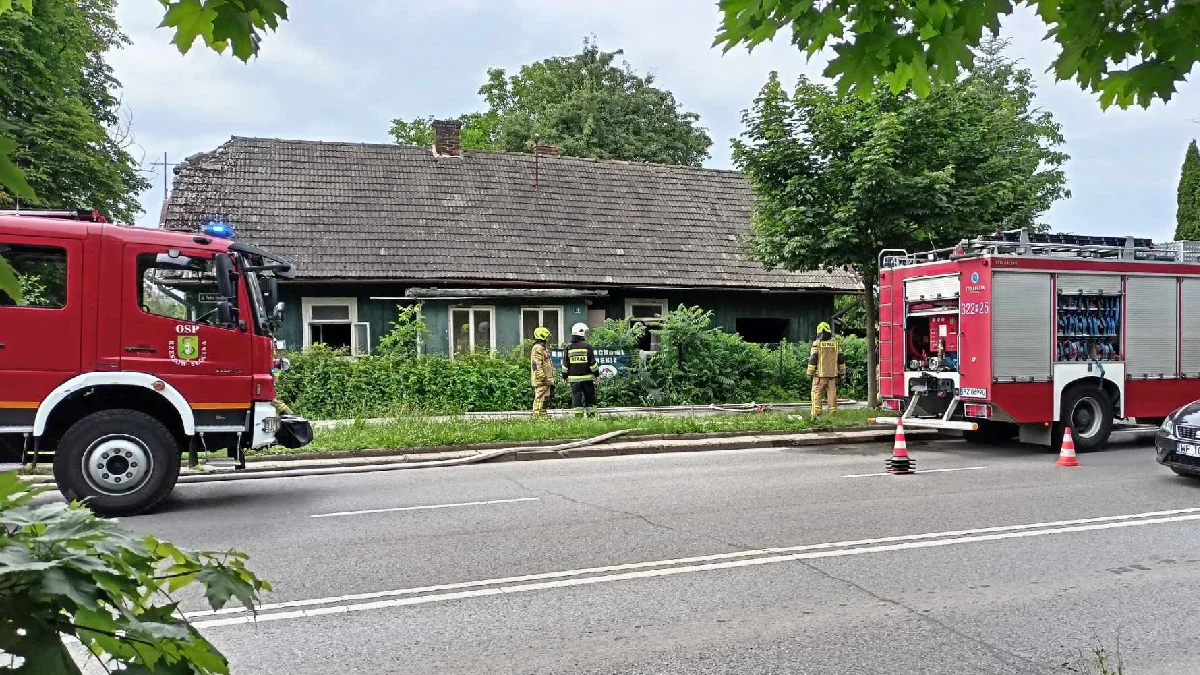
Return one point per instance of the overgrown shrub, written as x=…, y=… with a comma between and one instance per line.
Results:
x=697, y=364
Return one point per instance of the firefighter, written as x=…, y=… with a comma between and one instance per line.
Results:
x=826, y=363
x=541, y=371
x=580, y=369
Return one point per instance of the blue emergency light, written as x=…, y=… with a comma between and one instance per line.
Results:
x=218, y=229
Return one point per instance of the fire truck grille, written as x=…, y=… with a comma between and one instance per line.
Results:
x=1188, y=433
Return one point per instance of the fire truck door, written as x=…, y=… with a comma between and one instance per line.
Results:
x=40, y=333
x=171, y=328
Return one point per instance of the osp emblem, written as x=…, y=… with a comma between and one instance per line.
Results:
x=187, y=349
x=974, y=277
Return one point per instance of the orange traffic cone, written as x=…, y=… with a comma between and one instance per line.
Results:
x=900, y=462
x=1066, y=456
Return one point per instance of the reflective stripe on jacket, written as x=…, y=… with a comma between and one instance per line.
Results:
x=541, y=367
x=826, y=359
x=579, y=363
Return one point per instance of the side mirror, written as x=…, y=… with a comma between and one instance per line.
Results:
x=271, y=291
x=225, y=313
x=224, y=266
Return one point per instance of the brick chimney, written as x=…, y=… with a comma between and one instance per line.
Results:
x=545, y=150
x=447, y=140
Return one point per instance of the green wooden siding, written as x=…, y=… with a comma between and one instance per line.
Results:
x=801, y=311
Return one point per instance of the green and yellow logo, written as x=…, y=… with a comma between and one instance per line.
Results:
x=187, y=347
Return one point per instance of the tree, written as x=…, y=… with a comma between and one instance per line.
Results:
x=839, y=177
x=221, y=24
x=57, y=93
x=478, y=131
x=65, y=572
x=586, y=105
x=1126, y=52
x=1187, y=214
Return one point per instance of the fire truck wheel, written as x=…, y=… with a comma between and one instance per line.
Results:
x=1089, y=413
x=123, y=462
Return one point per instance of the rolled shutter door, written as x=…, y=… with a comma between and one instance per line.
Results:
x=1151, y=326
x=1021, y=331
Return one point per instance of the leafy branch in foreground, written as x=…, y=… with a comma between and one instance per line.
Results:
x=1126, y=52
x=66, y=573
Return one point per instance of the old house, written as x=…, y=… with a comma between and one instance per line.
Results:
x=493, y=244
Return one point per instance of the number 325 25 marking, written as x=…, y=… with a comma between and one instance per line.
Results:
x=969, y=308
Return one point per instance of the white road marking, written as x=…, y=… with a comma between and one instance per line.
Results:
x=424, y=508
x=469, y=589
x=884, y=473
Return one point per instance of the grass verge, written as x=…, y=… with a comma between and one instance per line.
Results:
x=413, y=432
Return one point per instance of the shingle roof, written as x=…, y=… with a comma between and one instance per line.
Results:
x=360, y=211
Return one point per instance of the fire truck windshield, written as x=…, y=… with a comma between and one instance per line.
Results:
x=185, y=294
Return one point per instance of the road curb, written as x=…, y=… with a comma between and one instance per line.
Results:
x=641, y=446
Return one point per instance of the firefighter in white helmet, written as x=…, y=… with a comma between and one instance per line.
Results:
x=580, y=369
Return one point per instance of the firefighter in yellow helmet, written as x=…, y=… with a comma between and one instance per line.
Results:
x=826, y=363
x=541, y=372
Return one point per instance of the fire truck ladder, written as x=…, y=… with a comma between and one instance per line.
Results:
x=1025, y=243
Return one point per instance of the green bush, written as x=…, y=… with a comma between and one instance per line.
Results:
x=697, y=364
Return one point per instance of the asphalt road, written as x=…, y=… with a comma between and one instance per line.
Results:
x=767, y=561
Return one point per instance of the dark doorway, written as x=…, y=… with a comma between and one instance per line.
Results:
x=762, y=331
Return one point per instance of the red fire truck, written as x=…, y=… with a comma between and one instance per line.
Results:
x=1021, y=335
x=122, y=348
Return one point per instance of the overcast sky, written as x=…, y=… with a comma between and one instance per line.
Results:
x=335, y=73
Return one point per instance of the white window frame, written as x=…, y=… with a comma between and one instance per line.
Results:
x=661, y=302
x=452, y=329
x=648, y=321
x=306, y=307
x=543, y=308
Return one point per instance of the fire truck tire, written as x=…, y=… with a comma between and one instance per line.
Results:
x=1089, y=412
x=122, y=462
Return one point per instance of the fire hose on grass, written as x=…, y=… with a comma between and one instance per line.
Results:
x=398, y=466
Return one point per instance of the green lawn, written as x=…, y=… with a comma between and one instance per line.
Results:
x=412, y=432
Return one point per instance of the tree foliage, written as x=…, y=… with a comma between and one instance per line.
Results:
x=66, y=573
x=57, y=96
x=839, y=177
x=478, y=131
x=97, y=170
x=1187, y=214
x=1130, y=52
x=586, y=104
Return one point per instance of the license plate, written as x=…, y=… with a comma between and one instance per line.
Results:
x=972, y=392
x=1189, y=449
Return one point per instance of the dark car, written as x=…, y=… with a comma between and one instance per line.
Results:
x=1177, y=442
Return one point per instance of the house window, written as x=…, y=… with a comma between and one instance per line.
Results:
x=472, y=329
x=645, y=310
x=334, y=323
x=650, y=313
x=762, y=331
x=550, y=317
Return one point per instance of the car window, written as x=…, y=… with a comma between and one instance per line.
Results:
x=186, y=295
x=33, y=276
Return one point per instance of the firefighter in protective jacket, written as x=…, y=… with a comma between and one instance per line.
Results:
x=541, y=371
x=581, y=370
x=826, y=363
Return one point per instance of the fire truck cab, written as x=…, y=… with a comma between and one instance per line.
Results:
x=1022, y=335
x=123, y=348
